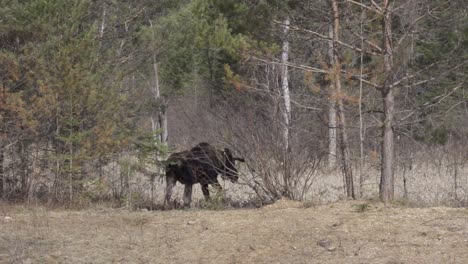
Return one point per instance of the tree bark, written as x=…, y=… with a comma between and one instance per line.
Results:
x=161, y=120
x=286, y=108
x=387, y=173
x=285, y=84
x=332, y=124
x=103, y=23
x=24, y=171
x=70, y=174
x=2, y=172
x=344, y=143
x=361, y=121
x=161, y=117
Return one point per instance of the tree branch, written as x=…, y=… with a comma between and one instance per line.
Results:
x=357, y=77
x=292, y=65
x=433, y=101
x=377, y=8
x=329, y=39
x=430, y=79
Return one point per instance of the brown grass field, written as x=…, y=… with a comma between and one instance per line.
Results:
x=284, y=232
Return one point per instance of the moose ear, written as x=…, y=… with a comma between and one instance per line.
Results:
x=239, y=159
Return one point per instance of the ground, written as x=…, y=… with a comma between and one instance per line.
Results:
x=284, y=232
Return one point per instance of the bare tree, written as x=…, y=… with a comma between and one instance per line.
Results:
x=332, y=124
x=284, y=84
x=336, y=72
x=159, y=118
x=388, y=152
x=361, y=121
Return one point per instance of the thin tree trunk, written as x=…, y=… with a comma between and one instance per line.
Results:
x=158, y=124
x=130, y=195
x=70, y=174
x=332, y=124
x=70, y=142
x=455, y=180
x=361, y=122
x=58, y=178
x=156, y=94
x=285, y=85
x=405, y=185
x=120, y=194
x=162, y=117
x=387, y=173
x=2, y=172
x=103, y=23
x=161, y=124
x=344, y=145
x=286, y=109
x=24, y=174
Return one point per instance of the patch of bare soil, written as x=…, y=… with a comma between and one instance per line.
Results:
x=286, y=232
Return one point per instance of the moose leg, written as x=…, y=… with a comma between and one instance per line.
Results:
x=206, y=192
x=170, y=183
x=218, y=188
x=187, y=195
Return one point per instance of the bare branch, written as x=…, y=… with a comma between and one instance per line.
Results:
x=429, y=12
x=329, y=39
x=358, y=77
x=267, y=91
x=292, y=65
x=432, y=15
x=434, y=101
x=377, y=8
x=400, y=41
x=368, y=42
x=430, y=79
x=305, y=106
x=9, y=145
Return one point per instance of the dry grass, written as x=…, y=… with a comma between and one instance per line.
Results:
x=284, y=232
x=428, y=183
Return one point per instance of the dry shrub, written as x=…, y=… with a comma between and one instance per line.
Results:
x=255, y=132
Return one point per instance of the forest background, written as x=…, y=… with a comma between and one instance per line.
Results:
x=324, y=99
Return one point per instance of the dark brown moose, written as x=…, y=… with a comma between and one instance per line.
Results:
x=201, y=164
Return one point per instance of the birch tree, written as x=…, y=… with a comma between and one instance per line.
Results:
x=159, y=120
x=285, y=85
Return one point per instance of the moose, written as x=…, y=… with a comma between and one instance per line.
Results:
x=201, y=164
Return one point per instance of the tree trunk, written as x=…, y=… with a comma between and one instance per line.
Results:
x=55, y=145
x=387, y=177
x=103, y=23
x=361, y=121
x=344, y=145
x=160, y=124
x=331, y=111
x=70, y=174
x=24, y=171
x=455, y=180
x=285, y=85
x=2, y=172
x=286, y=109
x=161, y=120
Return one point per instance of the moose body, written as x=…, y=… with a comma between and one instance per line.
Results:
x=201, y=164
